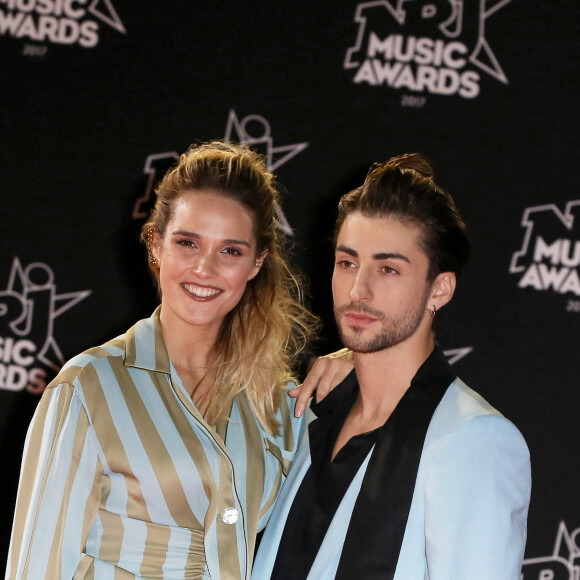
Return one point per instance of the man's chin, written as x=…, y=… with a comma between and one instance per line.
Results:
x=359, y=345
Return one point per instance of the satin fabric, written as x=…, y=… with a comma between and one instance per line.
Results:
x=123, y=478
x=387, y=486
x=468, y=513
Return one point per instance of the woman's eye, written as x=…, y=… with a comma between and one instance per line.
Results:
x=186, y=242
x=231, y=251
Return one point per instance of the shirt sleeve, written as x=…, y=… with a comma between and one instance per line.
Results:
x=280, y=451
x=476, y=502
x=59, y=489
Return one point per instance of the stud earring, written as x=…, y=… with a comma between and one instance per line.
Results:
x=433, y=312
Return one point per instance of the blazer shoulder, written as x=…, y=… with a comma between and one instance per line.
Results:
x=465, y=410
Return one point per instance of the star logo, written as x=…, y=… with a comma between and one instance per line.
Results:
x=105, y=11
x=562, y=563
x=403, y=44
x=29, y=308
x=255, y=131
x=455, y=354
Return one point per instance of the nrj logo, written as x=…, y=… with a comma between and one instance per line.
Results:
x=252, y=130
x=550, y=255
x=563, y=564
x=425, y=46
x=28, y=308
x=58, y=21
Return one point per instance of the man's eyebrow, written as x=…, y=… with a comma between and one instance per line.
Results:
x=347, y=250
x=378, y=256
x=391, y=256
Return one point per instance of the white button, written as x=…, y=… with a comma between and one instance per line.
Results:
x=230, y=516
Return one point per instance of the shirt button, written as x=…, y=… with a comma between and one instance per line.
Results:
x=230, y=516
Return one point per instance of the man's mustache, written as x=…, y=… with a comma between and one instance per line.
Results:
x=359, y=308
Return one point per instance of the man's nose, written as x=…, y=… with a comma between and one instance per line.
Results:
x=361, y=290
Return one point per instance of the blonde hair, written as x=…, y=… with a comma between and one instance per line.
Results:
x=265, y=332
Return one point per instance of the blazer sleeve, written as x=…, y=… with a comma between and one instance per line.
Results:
x=58, y=494
x=476, y=502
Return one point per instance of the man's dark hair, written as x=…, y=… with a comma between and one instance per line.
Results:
x=403, y=188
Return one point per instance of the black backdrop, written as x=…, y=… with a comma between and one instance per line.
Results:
x=99, y=96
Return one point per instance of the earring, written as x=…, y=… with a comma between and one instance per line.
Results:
x=433, y=312
x=149, y=241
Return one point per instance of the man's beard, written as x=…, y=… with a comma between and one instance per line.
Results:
x=395, y=329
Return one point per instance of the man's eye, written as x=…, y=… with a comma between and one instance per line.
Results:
x=346, y=264
x=389, y=270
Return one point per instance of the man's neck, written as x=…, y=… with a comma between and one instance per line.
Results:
x=385, y=376
x=383, y=379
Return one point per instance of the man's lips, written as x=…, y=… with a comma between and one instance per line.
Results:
x=359, y=318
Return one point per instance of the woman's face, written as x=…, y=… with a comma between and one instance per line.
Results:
x=206, y=257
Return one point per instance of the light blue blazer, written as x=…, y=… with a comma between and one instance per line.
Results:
x=468, y=514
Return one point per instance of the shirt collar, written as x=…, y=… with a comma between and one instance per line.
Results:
x=145, y=347
x=435, y=370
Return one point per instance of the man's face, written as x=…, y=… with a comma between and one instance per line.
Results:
x=379, y=283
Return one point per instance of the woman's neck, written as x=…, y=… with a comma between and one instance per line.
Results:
x=189, y=350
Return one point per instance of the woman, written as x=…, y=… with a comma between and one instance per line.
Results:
x=161, y=453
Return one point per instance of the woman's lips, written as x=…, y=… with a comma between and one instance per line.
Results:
x=201, y=292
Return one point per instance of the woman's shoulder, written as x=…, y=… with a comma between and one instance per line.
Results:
x=121, y=350
x=90, y=360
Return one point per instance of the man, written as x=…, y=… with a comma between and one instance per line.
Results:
x=406, y=474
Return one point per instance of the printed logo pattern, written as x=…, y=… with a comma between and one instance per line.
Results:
x=455, y=354
x=28, y=309
x=255, y=131
x=430, y=47
x=64, y=22
x=550, y=255
x=252, y=130
x=563, y=564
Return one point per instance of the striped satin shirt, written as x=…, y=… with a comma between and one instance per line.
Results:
x=122, y=477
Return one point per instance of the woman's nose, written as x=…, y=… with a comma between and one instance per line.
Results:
x=204, y=264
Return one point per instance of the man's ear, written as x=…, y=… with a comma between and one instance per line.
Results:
x=442, y=290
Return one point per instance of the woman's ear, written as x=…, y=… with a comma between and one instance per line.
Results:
x=258, y=265
x=260, y=259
